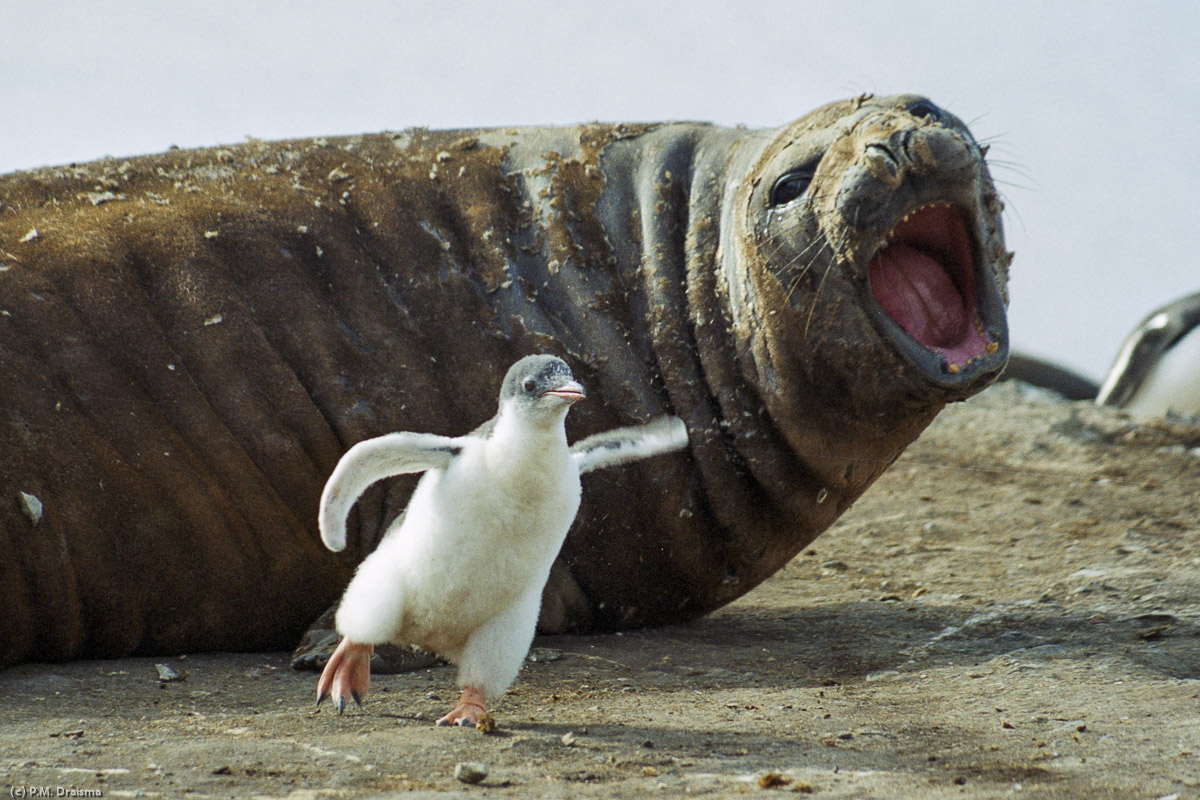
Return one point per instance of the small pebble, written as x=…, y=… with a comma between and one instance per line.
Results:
x=167, y=675
x=32, y=507
x=470, y=771
x=568, y=739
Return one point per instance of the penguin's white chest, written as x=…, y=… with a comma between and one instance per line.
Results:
x=480, y=535
x=1174, y=383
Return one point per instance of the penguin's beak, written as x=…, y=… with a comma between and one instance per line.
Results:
x=570, y=391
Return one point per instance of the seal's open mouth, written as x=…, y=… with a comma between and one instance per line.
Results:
x=924, y=280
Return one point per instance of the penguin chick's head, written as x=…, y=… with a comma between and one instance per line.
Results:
x=541, y=388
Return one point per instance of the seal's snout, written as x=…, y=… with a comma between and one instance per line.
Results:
x=921, y=221
x=923, y=278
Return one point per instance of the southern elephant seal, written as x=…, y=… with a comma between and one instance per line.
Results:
x=191, y=340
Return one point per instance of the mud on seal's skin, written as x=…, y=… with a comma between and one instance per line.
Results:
x=190, y=351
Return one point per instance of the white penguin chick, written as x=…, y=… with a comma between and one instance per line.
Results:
x=461, y=572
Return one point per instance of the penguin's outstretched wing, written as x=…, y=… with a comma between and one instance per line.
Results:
x=372, y=460
x=629, y=444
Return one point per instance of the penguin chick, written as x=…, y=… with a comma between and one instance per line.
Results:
x=461, y=572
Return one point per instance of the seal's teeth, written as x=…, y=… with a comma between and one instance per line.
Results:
x=992, y=347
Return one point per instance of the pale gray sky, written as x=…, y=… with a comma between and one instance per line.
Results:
x=1093, y=107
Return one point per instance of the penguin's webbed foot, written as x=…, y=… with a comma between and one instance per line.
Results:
x=347, y=674
x=471, y=706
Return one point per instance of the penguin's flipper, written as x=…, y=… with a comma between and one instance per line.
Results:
x=370, y=461
x=622, y=445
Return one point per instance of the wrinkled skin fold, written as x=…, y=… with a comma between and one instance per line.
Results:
x=191, y=340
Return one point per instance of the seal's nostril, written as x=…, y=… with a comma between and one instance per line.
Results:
x=880, y=149
x=925, y=109
x=882, y=154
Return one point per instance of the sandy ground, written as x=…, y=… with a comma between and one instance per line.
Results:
x=1009, y=612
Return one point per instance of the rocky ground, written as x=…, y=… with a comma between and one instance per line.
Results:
x=1009, y=612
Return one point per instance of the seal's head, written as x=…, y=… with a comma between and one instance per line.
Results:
x=873, y=240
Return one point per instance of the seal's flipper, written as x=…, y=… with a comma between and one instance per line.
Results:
x=565, y=607
x=321, y=639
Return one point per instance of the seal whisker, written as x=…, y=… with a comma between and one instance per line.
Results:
x=788, y=226
x=819, y=243
x=795, y=282
x=817, y=294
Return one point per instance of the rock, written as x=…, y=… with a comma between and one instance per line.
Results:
x=168, y=675
x=470, y=771
x=32, y=507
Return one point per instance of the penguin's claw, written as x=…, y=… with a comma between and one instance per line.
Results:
x=347, y=674
x=469, y=709
x=464, y=715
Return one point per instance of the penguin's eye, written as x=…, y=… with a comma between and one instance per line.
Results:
x=529, y=385
x=791, y=185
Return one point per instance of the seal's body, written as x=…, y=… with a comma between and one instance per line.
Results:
x=461, y=573
x=192, y=340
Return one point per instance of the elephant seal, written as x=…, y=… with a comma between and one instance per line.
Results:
x=1157, y=369
x=191, y=340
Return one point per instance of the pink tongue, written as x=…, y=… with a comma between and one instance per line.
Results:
x=917, y=293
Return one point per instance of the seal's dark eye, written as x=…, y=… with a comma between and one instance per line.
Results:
x=529, y=385
x=790, y=186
